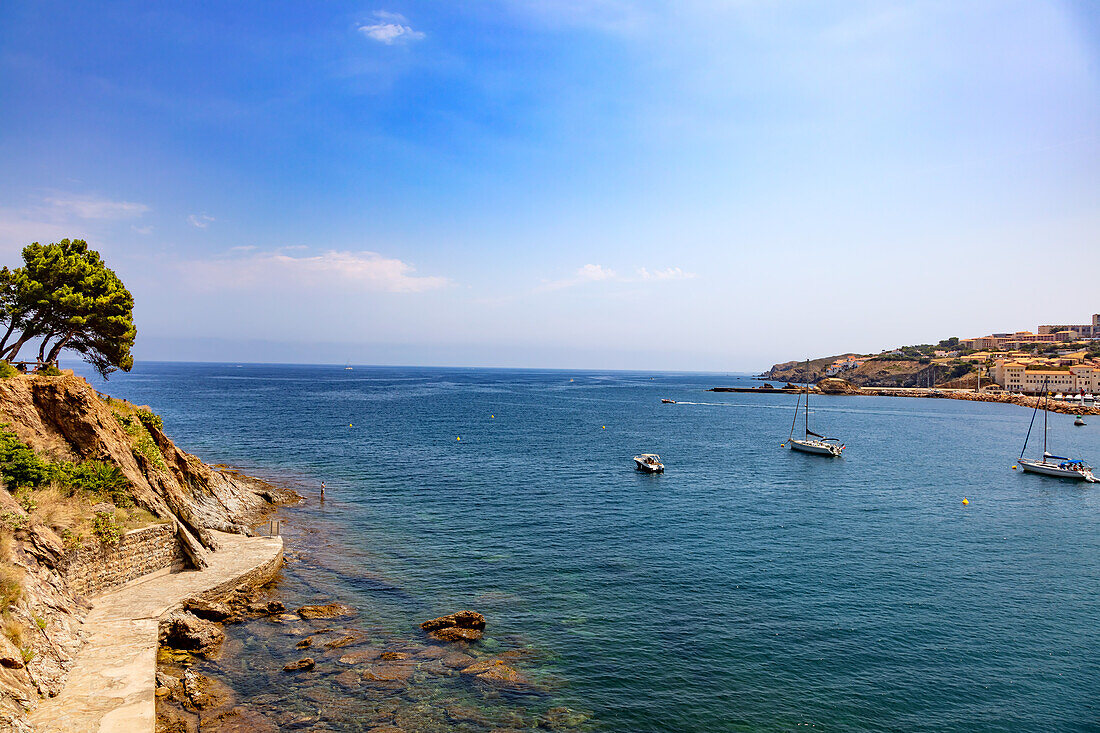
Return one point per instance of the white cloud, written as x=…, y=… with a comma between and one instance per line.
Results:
x=598, y=273
x=200, y=220
x=142, y=230
x=94, y=207
x=368, y=271
x=669, y=273
x=391, y=28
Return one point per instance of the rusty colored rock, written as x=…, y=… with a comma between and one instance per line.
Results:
x=328, y=610
x=461, y=620
x=302, y=664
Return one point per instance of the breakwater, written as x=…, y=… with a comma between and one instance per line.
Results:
x=1060, y=406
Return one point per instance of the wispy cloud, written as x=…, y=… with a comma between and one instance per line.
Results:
x=141, y=230
x=200, y=220
x=390, y=29
x=598, y=273
x=94, y=207
x=368, y=271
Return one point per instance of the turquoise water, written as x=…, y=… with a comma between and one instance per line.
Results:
x=746, y=589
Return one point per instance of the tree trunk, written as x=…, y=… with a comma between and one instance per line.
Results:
x=56, y=350
x=7, y=335
x=14, y=350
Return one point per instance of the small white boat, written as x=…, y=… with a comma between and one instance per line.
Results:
x=1079, y=421
x=649, y=462
x=667, y=401
x=1059, y=467
x=1088, y=397
x=1059, y=396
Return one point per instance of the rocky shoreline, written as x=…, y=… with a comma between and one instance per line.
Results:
x=343, y=674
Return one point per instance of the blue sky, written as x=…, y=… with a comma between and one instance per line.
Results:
x=583, y=183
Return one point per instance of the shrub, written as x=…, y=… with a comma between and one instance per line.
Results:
x=19, y=465
x=13, y=520
x=128, y=423
x=147, y=448
x=150, y=419
x=72, y=538
x=7, y=370
x=106, y=528
x=48, y=371
x=40, y=622
x=94, y=477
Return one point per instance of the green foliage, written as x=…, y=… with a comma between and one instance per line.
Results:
x=147, y=448
x=48, y=371
x=66, y=296
x=40, y=622
x=128, y=423
x=13, y=520
x=7, y=370
x=19, y=465
x=94, y=477
x=957, y=371
x=106, y=528
x=150, y=419
x=25, y=498
x=950, y=344
x=71, y=538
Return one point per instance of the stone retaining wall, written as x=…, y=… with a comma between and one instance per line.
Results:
x=93, y=570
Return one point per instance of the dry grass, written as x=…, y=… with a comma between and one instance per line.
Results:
x=7, y=544
x=11, y=586
x=59, y=511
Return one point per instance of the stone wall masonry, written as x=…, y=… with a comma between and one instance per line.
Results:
x=94, y=570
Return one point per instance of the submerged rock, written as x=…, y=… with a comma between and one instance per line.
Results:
x=209, y=610
x=302, y=664
x=497, y=672
x=367, y=655
x=328, y=610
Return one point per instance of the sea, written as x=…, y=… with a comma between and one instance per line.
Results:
x=747, y=588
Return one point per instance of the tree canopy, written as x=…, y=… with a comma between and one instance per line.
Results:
x=65, y=297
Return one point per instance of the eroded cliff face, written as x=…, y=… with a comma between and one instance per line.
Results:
x=64, y=418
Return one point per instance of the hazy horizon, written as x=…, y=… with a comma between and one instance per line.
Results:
x=711, y=185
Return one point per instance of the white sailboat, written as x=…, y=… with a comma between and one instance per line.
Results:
x=1050, y=464
x=811, y=442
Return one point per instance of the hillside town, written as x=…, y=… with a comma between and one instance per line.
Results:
x=1060, y=358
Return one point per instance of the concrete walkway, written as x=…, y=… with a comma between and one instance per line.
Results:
x=111, y=688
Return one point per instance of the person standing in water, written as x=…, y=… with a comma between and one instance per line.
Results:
x=322, y=489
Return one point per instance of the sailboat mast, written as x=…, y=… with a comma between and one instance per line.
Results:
x=1046, y=396
x=807, y=397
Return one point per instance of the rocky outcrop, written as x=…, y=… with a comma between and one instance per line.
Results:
x=184, y=630
x=328, y=610
x=67, y=419
x=460, y=626
x=833, y=385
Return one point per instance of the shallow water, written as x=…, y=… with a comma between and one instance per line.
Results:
x=746, y=589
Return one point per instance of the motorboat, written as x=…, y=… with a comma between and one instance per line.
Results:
x=811, y=442
x=1079, y=421
x=667, y=401
x=1049, y=464
x=649, y=462
x=1059, y=396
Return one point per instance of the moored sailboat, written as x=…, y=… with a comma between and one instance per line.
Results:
x=1049, y=464
x=813, y=443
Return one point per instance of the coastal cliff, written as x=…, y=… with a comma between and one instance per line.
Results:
x=60, y=431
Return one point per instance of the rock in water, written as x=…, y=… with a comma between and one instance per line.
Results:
x=461, y=626
x=301, y=664
x=328, y=610
x=185, y=630
x=834, y=385
x=209, y=610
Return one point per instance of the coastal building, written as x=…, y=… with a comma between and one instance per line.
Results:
x=844, y=364
x=1030, y=377
x=1088, y=331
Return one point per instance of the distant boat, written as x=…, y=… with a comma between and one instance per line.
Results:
x=812, y=442
x=667, y=401
x=1049, y=464
x=649, y=462
x=1079, y=421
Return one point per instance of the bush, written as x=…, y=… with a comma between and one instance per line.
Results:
x=19, y=465
x=94, y=477
x=106, y=528
x=147, y=448
x=7, y=370
x=150, y=419
x=48, y=371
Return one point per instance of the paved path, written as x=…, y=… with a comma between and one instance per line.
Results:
x=111, y=688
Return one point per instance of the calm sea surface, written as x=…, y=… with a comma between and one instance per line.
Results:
x=746, y=589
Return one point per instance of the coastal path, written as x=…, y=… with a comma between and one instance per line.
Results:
x=112, y=684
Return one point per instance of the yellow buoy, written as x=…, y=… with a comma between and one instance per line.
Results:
x=1013, y=468
x=603, y=427
x=965, y=501
x=492, y=416
x=782, y=445
x=349, y=425
x=458, y=437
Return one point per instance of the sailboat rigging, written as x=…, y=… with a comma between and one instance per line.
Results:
x=1049, y=464
x=812, y=442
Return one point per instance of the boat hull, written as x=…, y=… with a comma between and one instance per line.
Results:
x=815, y=447
x=1051, y=469
x=648, y=468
